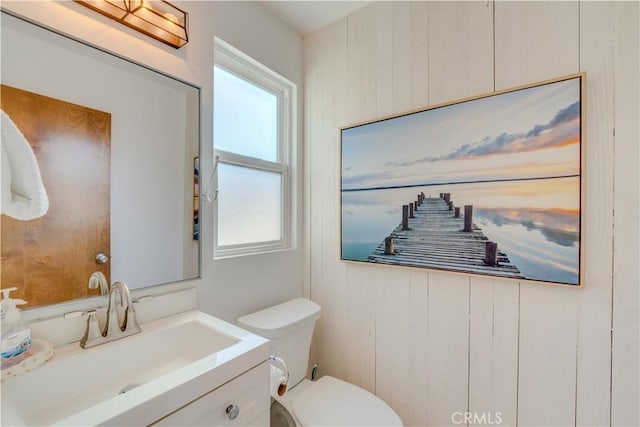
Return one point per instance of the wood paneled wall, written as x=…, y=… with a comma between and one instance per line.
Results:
x=430, y=343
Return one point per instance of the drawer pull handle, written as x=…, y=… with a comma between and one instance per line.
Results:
x=233, y=411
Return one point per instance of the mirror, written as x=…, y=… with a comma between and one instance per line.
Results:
x=117, y=148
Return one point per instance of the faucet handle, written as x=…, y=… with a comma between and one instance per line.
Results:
x=92, y=332
x=130, y=322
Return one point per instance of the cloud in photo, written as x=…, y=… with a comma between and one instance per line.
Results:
x=563, y=129
x=354, y=181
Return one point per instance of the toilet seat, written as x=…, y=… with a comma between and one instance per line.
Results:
x=332, y=402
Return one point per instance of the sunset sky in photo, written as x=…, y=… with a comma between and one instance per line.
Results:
x=528, y=133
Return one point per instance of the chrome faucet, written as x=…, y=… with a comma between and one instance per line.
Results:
x=97, y=279
x=114, y=328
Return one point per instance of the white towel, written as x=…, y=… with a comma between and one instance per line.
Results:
x=23, y=194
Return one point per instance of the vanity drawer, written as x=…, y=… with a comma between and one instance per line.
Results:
x=247, y=394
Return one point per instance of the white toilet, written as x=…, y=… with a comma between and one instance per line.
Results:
x=326, y=402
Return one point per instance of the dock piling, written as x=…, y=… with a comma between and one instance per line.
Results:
x=405, y=217
x=456, y=212
x=388, y=245
x=468, y=218
x=491, y=253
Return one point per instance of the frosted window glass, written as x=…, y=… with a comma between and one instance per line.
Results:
x=245, y=117
x=249, y=205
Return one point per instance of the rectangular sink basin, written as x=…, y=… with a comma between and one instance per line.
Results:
x=93, y=386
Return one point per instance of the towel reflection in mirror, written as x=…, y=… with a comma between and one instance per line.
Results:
x=24, y=196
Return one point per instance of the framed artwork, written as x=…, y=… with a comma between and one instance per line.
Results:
x=490, y=185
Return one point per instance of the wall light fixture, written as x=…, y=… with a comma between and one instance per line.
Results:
x=156, y=18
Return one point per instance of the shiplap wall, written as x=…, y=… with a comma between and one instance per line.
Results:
x=431, y=344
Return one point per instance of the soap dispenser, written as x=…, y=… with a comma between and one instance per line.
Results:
x=16, y=337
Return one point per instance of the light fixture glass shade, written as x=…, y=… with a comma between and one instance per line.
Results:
x=156, y=18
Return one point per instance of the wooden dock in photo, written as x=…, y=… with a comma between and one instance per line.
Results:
x=434, y=234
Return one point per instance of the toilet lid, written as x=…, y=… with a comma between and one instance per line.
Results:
x=332, y=402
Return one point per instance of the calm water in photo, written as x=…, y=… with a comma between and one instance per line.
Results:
x=536, y=223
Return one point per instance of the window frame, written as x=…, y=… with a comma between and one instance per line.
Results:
x=242, y=66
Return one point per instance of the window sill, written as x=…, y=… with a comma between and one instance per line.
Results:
x=250, y=251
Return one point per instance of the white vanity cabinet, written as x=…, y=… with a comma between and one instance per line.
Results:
x=183, y=369
x=243, y=401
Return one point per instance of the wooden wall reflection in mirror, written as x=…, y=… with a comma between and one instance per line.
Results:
x=141, y=189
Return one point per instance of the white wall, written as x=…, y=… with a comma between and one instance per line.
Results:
x=431, y=343
x=231, y=287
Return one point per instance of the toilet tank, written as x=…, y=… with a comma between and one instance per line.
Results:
x=289, y=327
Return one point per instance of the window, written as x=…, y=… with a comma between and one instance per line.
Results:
x=254, y=144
